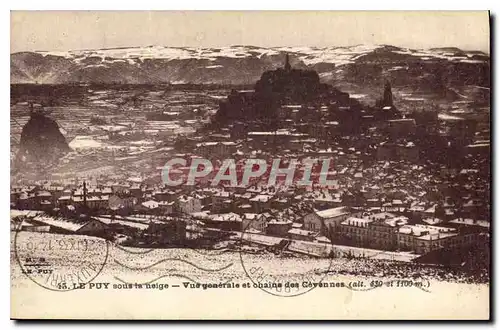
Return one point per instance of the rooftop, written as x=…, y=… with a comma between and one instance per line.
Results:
x=67, y=225
x=357, y=222
x=302, y=232
x=471, y=222
x=423, y=230
x=261, y=198
x=331, y=213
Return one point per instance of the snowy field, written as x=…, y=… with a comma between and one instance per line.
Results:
x=177, y=271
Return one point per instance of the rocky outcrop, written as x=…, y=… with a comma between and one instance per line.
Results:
x=41, y=140
x=285, y=85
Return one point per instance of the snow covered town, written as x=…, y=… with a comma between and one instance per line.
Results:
x=401, y=185
x=373, y=208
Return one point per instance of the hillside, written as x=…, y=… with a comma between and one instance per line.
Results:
x=235, y=64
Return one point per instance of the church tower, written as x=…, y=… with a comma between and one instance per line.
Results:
x=387, y=101
x=288, y=67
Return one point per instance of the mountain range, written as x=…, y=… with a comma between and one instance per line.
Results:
x=441, y=70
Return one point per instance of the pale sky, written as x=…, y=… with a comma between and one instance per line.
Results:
x=73, y=30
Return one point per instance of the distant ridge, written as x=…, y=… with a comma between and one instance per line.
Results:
x=243, y=65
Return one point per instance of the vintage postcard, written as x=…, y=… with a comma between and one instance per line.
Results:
x=250, y=165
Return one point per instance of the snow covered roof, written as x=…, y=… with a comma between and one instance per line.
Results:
x=150, y=204
x=226, y=217
x=357, y=222
x=277, y=222
x=201, y=214
x=322, y=239
x=432, y=221
x=261, y=198
x=251, y=216
x=17, y=213
x=426, y=231
x=471, y=222
x=67, y=225
x=302, y=232
x=333, y=212
x=222, y=194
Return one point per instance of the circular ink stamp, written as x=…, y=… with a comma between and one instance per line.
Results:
x=284, y=267
x=59, y=262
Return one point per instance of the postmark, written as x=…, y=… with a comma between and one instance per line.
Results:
x=149, y=266
x=283, y=267
x=60, y=262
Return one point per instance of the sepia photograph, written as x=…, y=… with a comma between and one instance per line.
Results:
x=250, y=165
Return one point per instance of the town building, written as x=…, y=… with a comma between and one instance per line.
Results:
x=326, y=221
x=188, y=204
x=255, y=222
x=278, y=228
x=424, y=238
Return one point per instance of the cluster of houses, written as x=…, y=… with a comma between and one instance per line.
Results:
x=382, y=194
x=333, y=216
